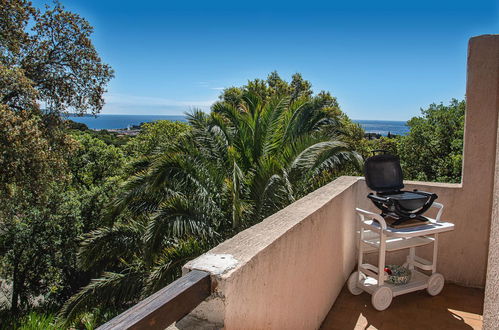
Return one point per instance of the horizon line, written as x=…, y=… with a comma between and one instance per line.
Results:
x=183, y=114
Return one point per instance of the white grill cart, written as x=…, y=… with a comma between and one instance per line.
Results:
x=375, y=236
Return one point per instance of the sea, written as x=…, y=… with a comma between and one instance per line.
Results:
x=106, y=121
x=383, y=127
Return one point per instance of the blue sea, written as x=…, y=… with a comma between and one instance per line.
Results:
x=384, y=127
x=123, y=121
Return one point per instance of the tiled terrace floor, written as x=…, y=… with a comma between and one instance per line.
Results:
x=455, y=308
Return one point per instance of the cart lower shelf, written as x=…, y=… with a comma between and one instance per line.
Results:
x=419, y=281
x=382, y=295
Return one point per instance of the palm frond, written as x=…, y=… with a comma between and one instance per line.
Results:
x=118, y=241
x=169, y=263
x=180, y=217
x=112, y=289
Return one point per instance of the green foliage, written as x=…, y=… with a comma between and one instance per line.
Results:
x=97, y=171
x=433, y=149
x=389, y=144
x=385, y=143
x=36, y=243
x=155, y=137
x=272, y=86
x=111, y=138
x=42, y=212
x=29, y=158
x=73, y=125
x=37, y=321
x=32, y=211
x=94, y=161
x=139, y=276
x=50, y=58
x=45, y=58
x=39, y=242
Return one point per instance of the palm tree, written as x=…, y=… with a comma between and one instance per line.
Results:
x=236, y=166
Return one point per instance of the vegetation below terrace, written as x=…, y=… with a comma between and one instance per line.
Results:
x=92, y=222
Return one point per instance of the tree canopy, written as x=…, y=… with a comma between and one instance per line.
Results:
x=433, y=149
x=48, y=59
x=155, y=137
x=48, y=66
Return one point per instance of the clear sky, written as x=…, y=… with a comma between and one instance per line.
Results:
x=381, y=59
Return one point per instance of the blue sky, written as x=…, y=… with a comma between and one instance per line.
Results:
x=381, y=59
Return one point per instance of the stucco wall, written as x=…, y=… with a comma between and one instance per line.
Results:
x=489, y=45
x=491, y=306
x=288, y=269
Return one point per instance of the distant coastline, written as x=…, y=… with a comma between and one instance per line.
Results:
x=383, y=127
x=106, y=121
x=112, y=122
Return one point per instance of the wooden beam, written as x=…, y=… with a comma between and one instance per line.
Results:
x=166, y=306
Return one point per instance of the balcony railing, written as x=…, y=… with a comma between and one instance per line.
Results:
x=166, y=306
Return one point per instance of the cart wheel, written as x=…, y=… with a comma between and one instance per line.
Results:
x=382, y=298
x=435, y=284
x=352, y=284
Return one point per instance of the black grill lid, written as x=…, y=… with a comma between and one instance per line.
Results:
x=383, y=173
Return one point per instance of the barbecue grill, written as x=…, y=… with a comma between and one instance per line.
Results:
x=384, y=175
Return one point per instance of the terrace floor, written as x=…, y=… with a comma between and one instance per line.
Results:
x=456, y=307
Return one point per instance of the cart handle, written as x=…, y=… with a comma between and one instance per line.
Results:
x=363, y=213
x=440, y=211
